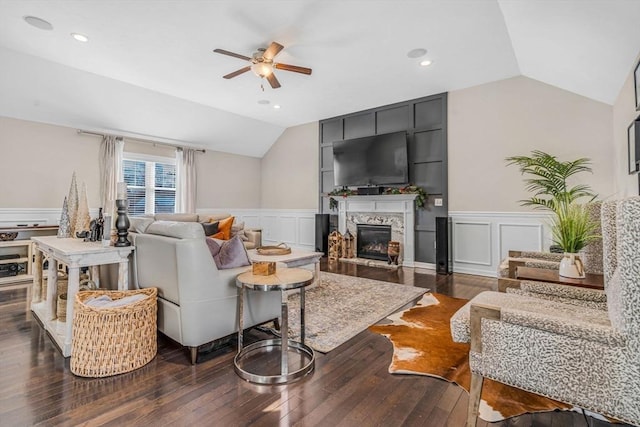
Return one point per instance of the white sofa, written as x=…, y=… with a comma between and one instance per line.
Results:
x=254, y=235
x=197, y=303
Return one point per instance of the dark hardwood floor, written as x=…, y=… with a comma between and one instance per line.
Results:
x=349, y=387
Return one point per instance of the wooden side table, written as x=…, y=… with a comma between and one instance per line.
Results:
x=591, y=281
x=284, y=279
x=75, y=253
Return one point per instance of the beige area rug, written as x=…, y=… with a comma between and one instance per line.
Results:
x=422, y=345
x=340, y=307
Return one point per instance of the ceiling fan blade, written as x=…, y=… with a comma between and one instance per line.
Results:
x=237, y=72
x=293, y=68
x=273, y=49
x=235, y=55
x=271, y=78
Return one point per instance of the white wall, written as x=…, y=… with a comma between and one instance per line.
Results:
x=37, y=161
x=290, y=170
x=624, y=111
x=227, y=181
x=511, y=117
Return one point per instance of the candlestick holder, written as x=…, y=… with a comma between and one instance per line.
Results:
x=122, y=223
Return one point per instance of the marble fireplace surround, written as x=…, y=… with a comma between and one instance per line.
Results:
x=397, y=210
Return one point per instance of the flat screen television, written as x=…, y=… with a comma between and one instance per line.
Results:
x=372, y=160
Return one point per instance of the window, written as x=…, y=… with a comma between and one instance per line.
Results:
x=151, y=183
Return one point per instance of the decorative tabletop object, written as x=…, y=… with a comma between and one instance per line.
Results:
x=280, y=249
x=122, y=222
x=8, y=236
x=83, y=219
x=64, y=230
x=264, y=268
x=72, y=205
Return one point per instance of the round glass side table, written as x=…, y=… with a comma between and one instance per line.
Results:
x=283, y=280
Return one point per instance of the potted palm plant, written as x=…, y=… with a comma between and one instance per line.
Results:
x=572, y=227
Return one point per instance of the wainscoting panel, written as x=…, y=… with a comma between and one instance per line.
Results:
x=306, y=231
x=287, y=229
x=294, y=227
x=481, y=240
x=472, y=242
x=524, y=237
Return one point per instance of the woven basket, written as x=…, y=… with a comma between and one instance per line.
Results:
x=61, y=310
x=111, y=341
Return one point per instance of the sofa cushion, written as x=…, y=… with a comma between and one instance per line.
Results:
x=231, y=253
x=214, y=217
x=214, y=245
x=139, y=224
x=237, y=229
x=224, y=229
x=180, y=230
x=182, y=217
x=210, y=228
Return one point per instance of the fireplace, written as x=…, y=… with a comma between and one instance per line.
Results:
x=372, y=241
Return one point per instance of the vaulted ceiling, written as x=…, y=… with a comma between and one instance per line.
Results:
x=148, y=68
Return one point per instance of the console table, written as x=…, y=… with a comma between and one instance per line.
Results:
x=283, y=280
x=74, y=253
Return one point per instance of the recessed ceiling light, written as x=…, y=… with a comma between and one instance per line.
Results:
x=277, y=107
x=417, y=53
x=38, y=23
x=264, y=102
x=80, y=37
x=426, y=62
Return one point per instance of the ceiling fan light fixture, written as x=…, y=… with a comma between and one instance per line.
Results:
x=262, y=69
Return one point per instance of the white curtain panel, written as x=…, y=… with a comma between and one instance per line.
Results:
x=186, y=180
x=111, y=150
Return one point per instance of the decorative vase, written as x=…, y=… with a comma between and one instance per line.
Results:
x=571, y=266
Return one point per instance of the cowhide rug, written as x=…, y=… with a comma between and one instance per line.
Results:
x=422, y=345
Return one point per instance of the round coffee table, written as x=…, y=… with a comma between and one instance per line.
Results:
x=285, y=279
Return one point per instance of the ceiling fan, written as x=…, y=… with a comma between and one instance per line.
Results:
x=262, y=64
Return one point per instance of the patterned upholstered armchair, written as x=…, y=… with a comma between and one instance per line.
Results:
x=582, y=356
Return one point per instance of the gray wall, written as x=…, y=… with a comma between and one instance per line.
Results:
x=425, y=121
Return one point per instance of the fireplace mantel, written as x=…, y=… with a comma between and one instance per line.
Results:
x=387, y=203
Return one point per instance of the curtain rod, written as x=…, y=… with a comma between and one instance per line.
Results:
x=132, y=138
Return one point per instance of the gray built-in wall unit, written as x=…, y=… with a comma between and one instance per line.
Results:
x=425, y=121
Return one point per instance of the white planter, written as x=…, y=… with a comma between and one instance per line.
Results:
x=571, y=266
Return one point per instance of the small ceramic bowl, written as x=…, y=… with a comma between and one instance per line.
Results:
x=5, y=237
